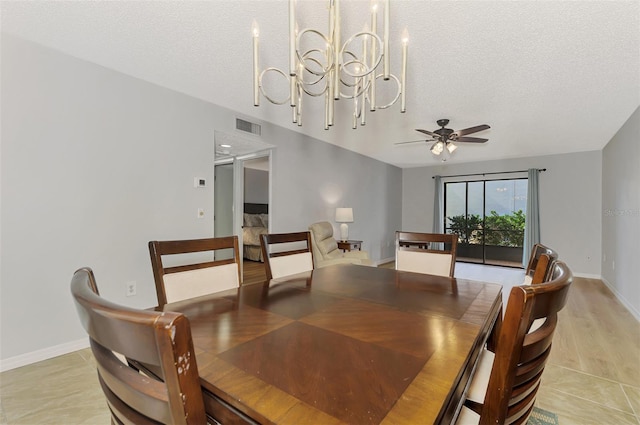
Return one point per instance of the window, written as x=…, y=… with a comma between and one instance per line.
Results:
x=488, y=216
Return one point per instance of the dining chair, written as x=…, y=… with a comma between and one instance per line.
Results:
x=533, y=274
x=195, y=271
x=431, y=253
x=295, y=259
x=160, y=340
x=505, y=383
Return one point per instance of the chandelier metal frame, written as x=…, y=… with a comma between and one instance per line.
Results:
x=348, y=70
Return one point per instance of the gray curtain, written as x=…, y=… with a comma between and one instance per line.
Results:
x=438, y=206
x=532, y=221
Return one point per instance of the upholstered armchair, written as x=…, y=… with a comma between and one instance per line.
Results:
x=325, y=248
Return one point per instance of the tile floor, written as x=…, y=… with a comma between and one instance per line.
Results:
x=593, y=375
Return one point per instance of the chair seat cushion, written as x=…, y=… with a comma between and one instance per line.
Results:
x=480, y=380
x=467, y=417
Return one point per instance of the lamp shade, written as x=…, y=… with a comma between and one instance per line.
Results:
x=344, y=215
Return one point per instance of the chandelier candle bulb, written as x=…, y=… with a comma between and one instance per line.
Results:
x=386, y=39
x=331, y=90
x=374, y=29
x=327, y=101
x=367, y=79
x=292, y=91
x=292, y=38
x=403, y=85
x=256, y=68
x=337, y=49
x=354, y=125
x=365, y=44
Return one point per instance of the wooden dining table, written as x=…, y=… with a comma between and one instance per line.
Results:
x=341, y=344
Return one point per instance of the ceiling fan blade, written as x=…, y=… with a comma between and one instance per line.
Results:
x=471, y=130
x=471, y=139
x=414, y=141
x=432, y=134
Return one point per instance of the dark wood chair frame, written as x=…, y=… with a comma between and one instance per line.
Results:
x=421, y=242
x=520, y=355
x=279, y=238
x=157, y=249
x=540, y=274
x=162, y=341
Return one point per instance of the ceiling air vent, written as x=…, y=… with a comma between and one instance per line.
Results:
x=249, y=127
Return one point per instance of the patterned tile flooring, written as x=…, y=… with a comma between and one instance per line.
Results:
x=593, y=375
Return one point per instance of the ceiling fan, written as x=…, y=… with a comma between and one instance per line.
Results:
x=444, y=138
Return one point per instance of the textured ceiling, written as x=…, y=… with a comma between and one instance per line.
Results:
x=547, y=76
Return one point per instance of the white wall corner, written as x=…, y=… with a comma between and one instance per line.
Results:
x=635, y=313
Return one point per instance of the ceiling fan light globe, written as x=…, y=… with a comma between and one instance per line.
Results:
x=437, y=148
x=451, y=147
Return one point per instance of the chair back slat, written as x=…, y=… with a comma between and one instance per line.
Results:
x=522, y=391
x=121, y=412
x=289, y=260
x=528, y=370
x=161, y=340
x=519, y=413
x=432, y=253
x=124, y=383
x=196, y=278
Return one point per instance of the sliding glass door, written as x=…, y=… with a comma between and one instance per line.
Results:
x=488, y=217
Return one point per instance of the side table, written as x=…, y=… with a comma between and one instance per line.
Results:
x=350, y=245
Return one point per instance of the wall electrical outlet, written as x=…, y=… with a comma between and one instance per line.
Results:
x=132, y=288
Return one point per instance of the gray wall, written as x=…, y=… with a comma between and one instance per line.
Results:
x=256, y=186
x=570, y=201
x=313, y=178
x=621, y=213
x=96, y=163
x=223, y=201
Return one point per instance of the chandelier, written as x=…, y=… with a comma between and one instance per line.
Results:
x=323, y=65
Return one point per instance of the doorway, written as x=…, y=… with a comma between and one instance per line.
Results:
x=239, y=164
x=488, y=217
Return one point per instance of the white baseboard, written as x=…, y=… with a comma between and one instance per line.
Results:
x=385, y=260
x=43, y=354
x=635, y=313
x=588, y=275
